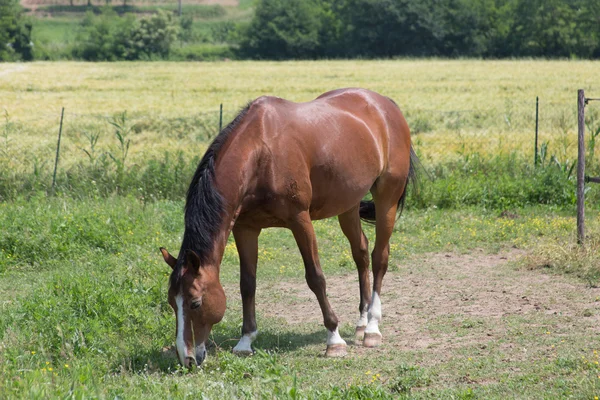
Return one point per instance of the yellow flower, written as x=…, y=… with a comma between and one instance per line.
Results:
x=33, y=352
x=66, y=365
x=49, y=368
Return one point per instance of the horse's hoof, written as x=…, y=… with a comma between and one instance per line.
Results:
x=243, y=353
x=359, y=334
x=336, y=350
x=372, y=339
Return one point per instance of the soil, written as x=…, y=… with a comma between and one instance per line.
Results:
x=447, y=301
x=33, y=4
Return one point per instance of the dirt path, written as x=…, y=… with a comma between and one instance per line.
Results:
x=448, y=301
x=33, y=4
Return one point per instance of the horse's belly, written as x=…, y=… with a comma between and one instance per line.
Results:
x=334, y=198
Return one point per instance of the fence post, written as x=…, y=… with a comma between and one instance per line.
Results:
x=537, y=108
x=220, y=117
x=62, y=114
x=580, y=166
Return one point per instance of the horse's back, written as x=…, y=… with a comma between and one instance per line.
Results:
x=326, y=154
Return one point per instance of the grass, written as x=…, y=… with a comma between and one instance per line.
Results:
x=85, y=312
x=459, y=109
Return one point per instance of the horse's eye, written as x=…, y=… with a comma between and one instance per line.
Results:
x=195, y=304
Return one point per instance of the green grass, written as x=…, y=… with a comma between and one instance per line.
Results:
x=85, y=313
x=83, y=287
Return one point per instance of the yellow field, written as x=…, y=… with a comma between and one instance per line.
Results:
x=457, y=105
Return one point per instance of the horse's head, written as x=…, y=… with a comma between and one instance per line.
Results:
x=198, y=299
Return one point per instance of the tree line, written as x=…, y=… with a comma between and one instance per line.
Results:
x=313, y=29
x=283, y=29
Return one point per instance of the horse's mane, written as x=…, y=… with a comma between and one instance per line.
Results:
x=204, y=204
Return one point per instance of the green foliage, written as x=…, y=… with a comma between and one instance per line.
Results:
x=104, y=37
x=450, y=28
x=153, y=36
x=284, y=29
x=15, y=33
x=108, y=37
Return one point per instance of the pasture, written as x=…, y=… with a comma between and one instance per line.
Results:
x=486, y=296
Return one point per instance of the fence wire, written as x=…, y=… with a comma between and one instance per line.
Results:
x=438, y=135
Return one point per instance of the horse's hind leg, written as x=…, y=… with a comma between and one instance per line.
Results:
x=246, y=241
x=304, y=234
x=351, y=226
x=385, y=207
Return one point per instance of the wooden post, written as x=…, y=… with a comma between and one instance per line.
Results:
x=580, y=166
x=220, y=117
x=537, y=108
x=62, y=114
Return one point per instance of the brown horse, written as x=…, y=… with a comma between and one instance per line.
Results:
x=284, y=164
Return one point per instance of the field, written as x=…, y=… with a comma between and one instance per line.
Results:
x=487, y=294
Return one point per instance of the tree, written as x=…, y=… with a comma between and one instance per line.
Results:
x=284, y=29
x=154, y=36
x=15, y=33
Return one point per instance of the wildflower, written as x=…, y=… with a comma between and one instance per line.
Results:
x=33, y=352
x=66, y=365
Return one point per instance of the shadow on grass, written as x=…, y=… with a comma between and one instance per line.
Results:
x=280, y=341
x=165, y=360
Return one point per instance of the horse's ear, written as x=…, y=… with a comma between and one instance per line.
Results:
x=169, y=259
x=192, y=260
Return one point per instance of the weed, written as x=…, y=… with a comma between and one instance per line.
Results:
x=122, y=131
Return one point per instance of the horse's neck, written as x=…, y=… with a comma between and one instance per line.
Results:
x=231, y=176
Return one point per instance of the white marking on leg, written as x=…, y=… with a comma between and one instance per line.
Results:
x=374, y=315
x=245, y=343
x=363, y=320
x=334, y=338
x=180, y=342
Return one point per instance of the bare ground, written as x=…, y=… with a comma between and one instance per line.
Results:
x=36, y=3
x=451, y=301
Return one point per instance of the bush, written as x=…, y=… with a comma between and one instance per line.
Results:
x=108, y=37
x=15, y=33
x=283, y=29
x=153, y=36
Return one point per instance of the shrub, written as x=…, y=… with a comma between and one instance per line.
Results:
x=15, y=33
x=153, y=36
x=108, y=37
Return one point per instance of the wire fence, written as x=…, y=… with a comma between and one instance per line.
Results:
x=28, y=145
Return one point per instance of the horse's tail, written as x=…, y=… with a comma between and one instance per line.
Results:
x=367, y=207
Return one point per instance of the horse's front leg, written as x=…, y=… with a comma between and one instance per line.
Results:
x=246, y=241
x=304, y=234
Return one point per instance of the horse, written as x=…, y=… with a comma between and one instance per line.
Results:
x=284, y=164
